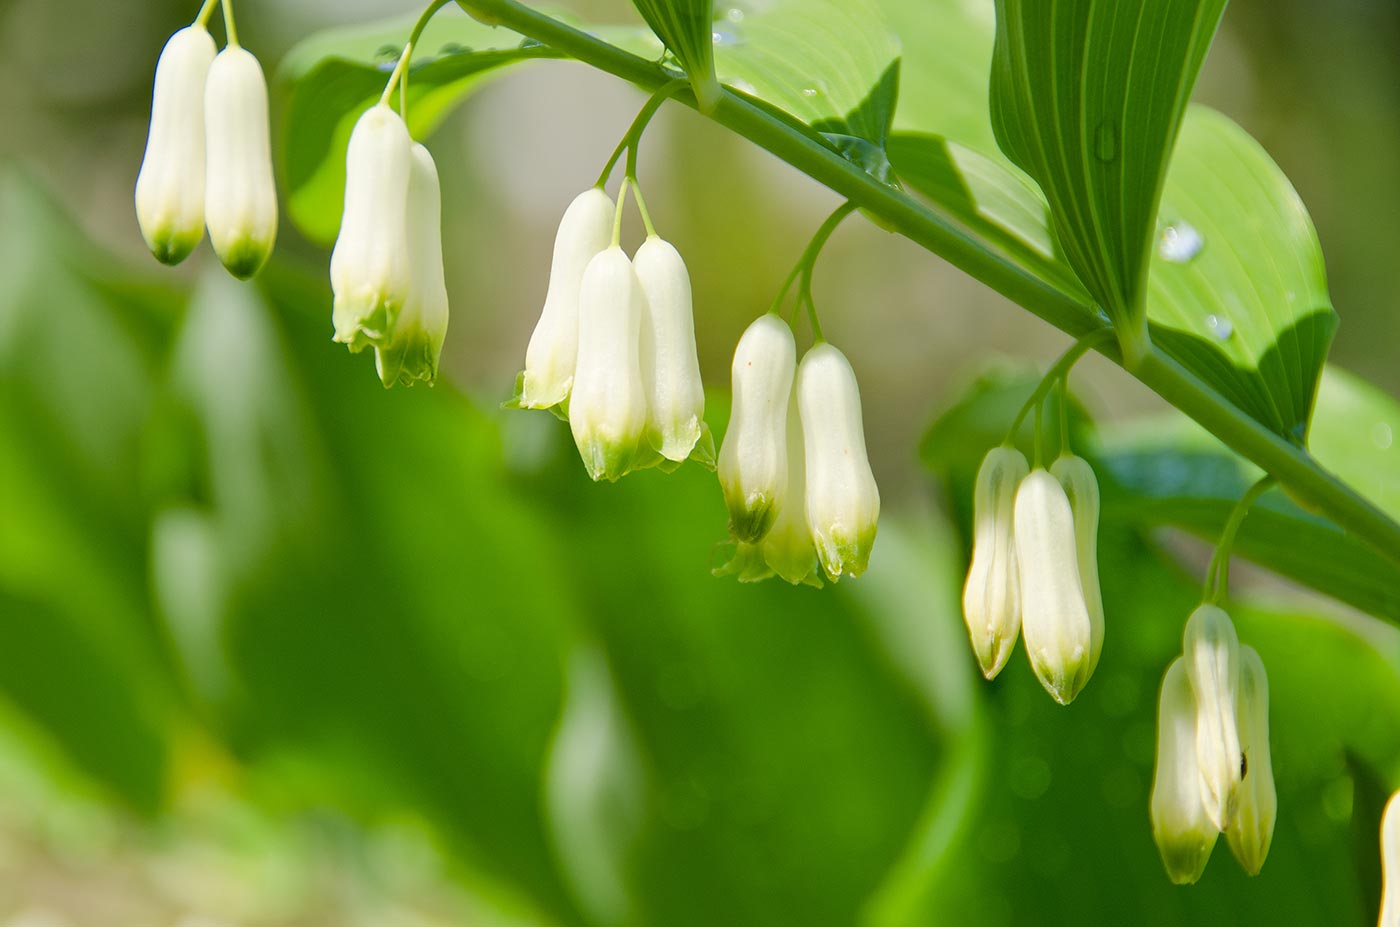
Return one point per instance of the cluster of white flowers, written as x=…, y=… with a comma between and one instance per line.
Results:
x=1034, y=569
x=387, y=267
x=1214, y=773
x=208, y=156
x=614, y=349
x=793, y=465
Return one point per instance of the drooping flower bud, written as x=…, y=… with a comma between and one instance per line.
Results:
x=1212, y=652
x=584, y=232
x=843, y=502
x=1054, y=618
x=670, y=365
x=1252, y=830
x=1082, y=489
x=1184, y=833
x=369, y=266
x=992, y=594
x=170, y=187
x=608, y=407
x=1390, y=863
x=415, y=344
x=753, y=470
x=240, y=196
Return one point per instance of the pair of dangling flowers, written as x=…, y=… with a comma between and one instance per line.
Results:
x=208, y=157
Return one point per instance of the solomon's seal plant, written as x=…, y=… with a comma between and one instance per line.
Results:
x=1068, y=194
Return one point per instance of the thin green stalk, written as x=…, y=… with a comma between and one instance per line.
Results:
x=632, y=139
x=617, y=216
x=1218, y=572
x=1039, y=456
x=1058, y=370
x=401, y=69
x=205, y=11
x=944, y=235
x=1064, y=414
x=802, y=270
x=229, y=25
x=641, y=205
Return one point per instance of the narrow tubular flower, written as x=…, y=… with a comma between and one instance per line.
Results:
x=370, y=265
x=1184, y=833
x=170, y=187
x=1252, y=830
x=753, y=469
x=1082, y=489
x=788, y=548
x=1054, y=618
x=843, y=502
x=240, y=196
x=584, y=232
x=992, y=594
x=670, y=365
x=608, y=408
x=1212, y=652
x=415, y=344
x=1390, y=863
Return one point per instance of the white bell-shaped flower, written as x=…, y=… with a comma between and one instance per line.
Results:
x=240, y=204
x=1252, y=830
x=753, y=468
x=843, y=502
x=1184, y=833
x=1082, y=489
x=415, y=345
x=608, y=406
x=670, y=364
x=787, y=547
x=1390, y=863
x=584, y=232
x=1054, y=619
x=170, y=187
x=1212, y=652
x=992, y=593
x=370, y=264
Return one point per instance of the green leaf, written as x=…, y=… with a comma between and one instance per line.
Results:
x=1087, y=97
x=1237, y=289
x=684, y=26
x=1356, y=435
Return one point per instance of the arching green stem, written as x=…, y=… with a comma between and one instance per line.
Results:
x=1058, y=370
x=1064, y=414
x=802, y=270
x=405, y=59
x=633, y=137
x=205, y=11
x=1218, y=572
x=641, y=204
x=617, y=216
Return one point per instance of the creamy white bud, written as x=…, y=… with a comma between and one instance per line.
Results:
x=608, y=407
x=787, y=547
x=170, y=187
x=240, y=200
x=1212, y=652
x=415, y=344
x=1252, y=830
x=843, y=502
x=1184, y=833
x=753, y=470
x=370, y=266
x=670, y=365
x=584, y=232
x=1390, y=863
x=1082, y=489
x=1054, y=618
x=992, y=594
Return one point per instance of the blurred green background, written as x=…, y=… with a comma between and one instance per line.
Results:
x=278, y=647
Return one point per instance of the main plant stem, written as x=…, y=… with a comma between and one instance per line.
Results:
x=943, y=235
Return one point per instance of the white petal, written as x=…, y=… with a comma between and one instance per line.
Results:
x=753, y=467
x=1212, y=652
x=170, y=187
x=1082, y=489
x=240, y=196
x=787, y=548
x=670, y=365
x=1252, y=830
x=607, y=409
x=843, y=502
x=1390, y=863
x=1183, y=831
x=584, y=232
x=992, y=594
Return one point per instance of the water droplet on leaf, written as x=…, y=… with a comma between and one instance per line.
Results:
x=1221, y=327
x=1382, y=436
x=725, y=35
x=1180, y=242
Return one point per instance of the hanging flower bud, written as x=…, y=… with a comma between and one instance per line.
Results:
x=1082, y=490
x=170, y=187
x=240, y=196
x=992, y=594
x=584, y=232
x=608, y=407
x=415, y=345
x=1054, y=618
x=843, y=502
x=753, y=470
x=1252, y=830
x=1183, y=831
x=670, y=365
x=1212, y=653
x=1390, y=863
x=370, y=266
